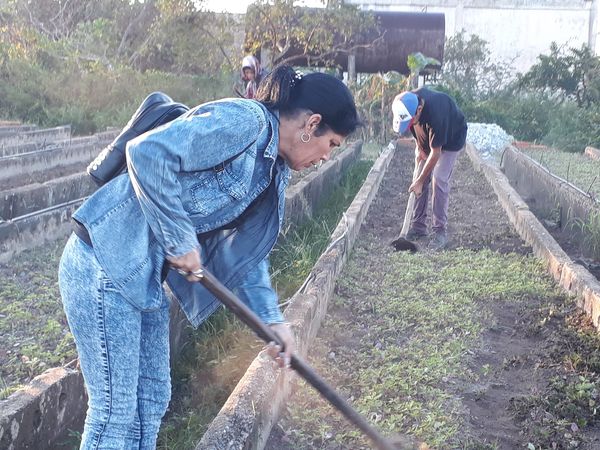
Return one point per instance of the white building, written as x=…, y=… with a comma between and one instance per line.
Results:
x=518, y=30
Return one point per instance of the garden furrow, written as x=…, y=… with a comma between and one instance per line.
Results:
x=473, y=347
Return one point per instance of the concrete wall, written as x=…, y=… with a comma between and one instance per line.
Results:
x=14, y=128
x=40, y=415
x=514, y=29
x=45, y=144
x=28, y=199
x=546, y=194
x=34, y=230
x=45, y=135
x=41, y=165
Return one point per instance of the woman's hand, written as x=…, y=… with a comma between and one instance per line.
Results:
x=188, y=263
x=284, y=333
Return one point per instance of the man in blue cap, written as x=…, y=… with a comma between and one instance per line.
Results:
x=440, y=131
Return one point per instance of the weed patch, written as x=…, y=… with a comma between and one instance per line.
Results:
x=34, y=334
x=398, y=342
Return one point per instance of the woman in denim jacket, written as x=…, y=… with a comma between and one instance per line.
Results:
x=204, y=190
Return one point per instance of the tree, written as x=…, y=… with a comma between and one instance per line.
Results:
x=468, y=68
x=169, y=35
x=185, y=40
x=58, y=19
x=572, y=74
x=295, y=35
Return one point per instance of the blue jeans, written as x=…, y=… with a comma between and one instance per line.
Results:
x=123, y=353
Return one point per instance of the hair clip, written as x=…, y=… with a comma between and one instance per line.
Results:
x=296, y=78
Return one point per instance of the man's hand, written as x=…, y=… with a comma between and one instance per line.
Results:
x=188, y=263
x=416, y=187
x=284, y=333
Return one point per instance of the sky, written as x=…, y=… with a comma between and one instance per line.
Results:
x=239, y=6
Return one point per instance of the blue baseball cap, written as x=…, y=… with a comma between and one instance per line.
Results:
x=404, y=109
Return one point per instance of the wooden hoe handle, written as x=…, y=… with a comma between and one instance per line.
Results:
x=247, y=316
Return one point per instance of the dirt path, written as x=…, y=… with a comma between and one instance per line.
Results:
x=470, y=348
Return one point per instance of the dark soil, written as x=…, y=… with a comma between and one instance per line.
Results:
x=540, y=354
x=570, y=242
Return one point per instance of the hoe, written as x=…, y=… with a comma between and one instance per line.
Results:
x=302, y=368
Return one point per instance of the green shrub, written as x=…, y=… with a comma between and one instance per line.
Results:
x=93, y=97
x=554, y=103
x=572, y=128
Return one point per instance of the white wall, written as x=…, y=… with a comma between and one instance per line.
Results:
x=516, y=30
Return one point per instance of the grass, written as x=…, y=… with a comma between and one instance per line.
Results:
x=576, y=168
x=398, y=343
x=34, y=334
x=299, y=247
x=590, y=232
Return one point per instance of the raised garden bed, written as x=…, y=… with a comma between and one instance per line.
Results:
x=471, y=348
x=551, y=183
x=576, y=168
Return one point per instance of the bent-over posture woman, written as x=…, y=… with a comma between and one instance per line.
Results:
x=204, y=190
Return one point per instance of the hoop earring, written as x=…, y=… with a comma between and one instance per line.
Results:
x=304, y=138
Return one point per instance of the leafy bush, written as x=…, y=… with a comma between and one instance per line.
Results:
x=555, y=102
x=566, y=74
x=374, y=94
x=92, y=98
x=572, y=128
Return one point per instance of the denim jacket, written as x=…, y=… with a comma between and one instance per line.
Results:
x=211, y=180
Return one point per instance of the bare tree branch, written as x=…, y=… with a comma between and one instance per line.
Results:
x=219, y=44
x=332, y=53
x=129, y=30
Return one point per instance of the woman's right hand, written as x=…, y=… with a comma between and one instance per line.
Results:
x=188, y=263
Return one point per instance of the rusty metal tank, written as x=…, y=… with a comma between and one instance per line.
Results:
x=403, y=33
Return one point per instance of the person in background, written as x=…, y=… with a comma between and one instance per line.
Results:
x=251, y=75
x=205, y=190
x=440, y=131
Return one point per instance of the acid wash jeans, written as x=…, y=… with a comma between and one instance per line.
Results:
x=442, y=174
x=123, y=353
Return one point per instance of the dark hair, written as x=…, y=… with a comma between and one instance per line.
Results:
x=289, y=92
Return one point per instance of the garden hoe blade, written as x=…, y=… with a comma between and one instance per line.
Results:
x=302, y=368
x=401, y=244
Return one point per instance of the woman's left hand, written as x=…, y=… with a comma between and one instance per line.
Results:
x=286, y=337
x=187, y=264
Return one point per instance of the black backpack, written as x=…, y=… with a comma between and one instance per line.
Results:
x=156, y=109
